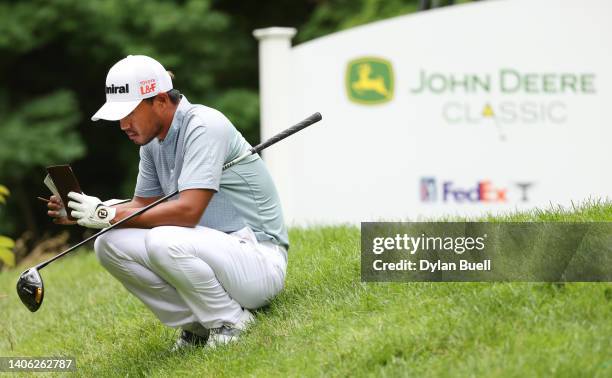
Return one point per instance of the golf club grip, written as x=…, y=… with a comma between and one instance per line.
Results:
x=316, y=117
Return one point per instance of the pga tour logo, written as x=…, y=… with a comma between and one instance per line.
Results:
x=483, y=191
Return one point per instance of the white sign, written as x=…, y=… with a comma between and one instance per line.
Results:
x=482, y=107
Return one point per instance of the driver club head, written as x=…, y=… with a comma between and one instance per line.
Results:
x=30, y=289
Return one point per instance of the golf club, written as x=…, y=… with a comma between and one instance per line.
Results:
x=30, y=286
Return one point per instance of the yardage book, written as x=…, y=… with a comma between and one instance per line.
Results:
x=61, y=181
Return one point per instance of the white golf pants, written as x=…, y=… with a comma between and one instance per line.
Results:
x=193, y=277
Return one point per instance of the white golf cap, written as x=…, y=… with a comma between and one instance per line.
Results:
x=128, y=82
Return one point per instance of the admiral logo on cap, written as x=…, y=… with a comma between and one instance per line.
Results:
x=128, y=82
x=122, y=89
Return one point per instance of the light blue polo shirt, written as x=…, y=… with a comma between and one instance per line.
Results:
x=199, y=142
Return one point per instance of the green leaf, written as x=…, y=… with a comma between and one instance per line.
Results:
x=6, y=242
x=7, y=257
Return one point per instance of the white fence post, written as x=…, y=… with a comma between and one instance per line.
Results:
x=274, y=89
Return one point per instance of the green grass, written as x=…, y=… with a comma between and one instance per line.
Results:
x=326, y=322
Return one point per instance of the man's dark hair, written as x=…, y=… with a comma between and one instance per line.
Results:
x=174, y=94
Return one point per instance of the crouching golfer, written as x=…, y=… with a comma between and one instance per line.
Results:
x=202, y=259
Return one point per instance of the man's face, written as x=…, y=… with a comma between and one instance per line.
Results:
x=142, y=124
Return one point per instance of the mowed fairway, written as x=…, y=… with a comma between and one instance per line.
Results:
x=328, y=323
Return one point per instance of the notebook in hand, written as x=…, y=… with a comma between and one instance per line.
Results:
x=61, y=180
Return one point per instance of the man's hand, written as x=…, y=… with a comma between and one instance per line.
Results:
x=90, y=211
x=58, y=212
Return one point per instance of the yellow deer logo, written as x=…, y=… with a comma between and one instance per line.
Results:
x=367, y=83
x=369, y=80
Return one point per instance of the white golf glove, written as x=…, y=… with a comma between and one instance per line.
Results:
x=90, y=211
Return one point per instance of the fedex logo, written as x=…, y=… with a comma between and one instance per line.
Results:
x=482, y=191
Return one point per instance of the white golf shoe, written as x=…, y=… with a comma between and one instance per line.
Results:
x=230, y=333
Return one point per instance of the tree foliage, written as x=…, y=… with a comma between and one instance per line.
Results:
x=333, y=16
x=39, y=132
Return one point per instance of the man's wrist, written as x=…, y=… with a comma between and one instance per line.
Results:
x=118, y=215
